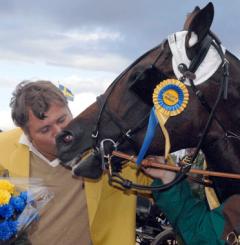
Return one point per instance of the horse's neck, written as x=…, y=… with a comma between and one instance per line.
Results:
x=223, y=155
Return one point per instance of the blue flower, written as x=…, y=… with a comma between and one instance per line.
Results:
x=24, y=195
x=18, y=203
x=6, y=211
x=7, y=229
x=17, y=211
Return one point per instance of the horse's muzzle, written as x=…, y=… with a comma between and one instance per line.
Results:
x=89, y=167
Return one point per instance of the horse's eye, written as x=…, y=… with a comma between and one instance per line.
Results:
x=68, y=138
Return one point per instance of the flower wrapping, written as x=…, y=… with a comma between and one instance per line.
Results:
x=21, y=200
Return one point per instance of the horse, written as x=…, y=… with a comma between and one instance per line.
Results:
x=210, y=121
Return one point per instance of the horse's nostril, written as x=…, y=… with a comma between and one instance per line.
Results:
x=67, y=138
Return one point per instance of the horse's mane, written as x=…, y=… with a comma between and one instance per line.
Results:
x=234, y=57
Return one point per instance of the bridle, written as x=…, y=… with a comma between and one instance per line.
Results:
x=209, y=40
x=125, y=134
x=101, y=149
x=103, y=99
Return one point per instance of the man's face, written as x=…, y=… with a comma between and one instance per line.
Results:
x=42, y=132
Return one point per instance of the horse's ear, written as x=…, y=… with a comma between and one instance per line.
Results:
x=190, y=17
x=201, y=21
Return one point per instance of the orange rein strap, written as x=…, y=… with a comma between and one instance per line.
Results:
x=151, y=163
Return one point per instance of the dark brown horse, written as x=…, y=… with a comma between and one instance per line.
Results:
x=120, y=114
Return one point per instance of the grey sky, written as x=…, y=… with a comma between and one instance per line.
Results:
x=40, y=28
x=85, y=44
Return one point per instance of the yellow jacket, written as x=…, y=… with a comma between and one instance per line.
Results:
x=112, y=213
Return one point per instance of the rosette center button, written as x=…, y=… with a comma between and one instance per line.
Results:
x=171, y=97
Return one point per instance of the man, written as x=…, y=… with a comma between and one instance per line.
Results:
x=40, y=111
x=191, y=217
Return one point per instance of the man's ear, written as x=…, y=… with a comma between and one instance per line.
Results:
x=202, y=21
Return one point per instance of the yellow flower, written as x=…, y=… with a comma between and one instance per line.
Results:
x=4, y=197
x=6, y=185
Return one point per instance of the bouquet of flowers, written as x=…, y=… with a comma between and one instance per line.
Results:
x=21, y=199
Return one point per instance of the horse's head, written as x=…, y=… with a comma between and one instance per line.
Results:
x=128, y=101
x=119, y=117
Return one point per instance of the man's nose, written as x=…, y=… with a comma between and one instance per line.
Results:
x=56, y=129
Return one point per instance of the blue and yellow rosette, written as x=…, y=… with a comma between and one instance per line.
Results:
x=170, y=98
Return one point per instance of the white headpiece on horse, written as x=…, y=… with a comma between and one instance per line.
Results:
x=209, y=65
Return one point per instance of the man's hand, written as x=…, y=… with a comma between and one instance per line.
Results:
x=164, y=175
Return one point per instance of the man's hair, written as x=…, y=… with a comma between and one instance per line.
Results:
x=38, y=97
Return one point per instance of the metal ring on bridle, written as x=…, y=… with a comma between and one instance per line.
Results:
x=105, y=156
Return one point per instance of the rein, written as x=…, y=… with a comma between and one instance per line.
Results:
x=151, y=163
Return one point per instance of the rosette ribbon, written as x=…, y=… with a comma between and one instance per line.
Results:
x=170, y=98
